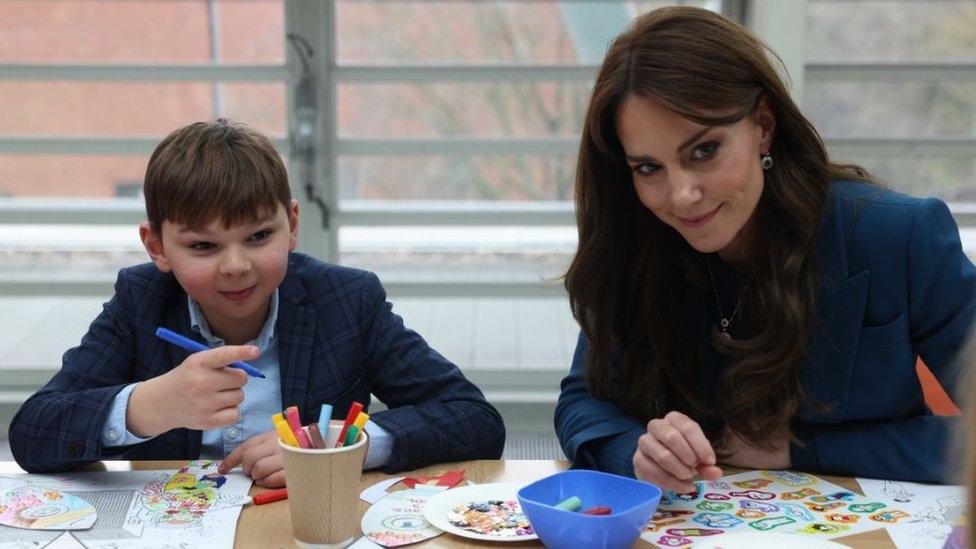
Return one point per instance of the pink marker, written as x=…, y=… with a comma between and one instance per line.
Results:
x=294, y=421
x=303, y=439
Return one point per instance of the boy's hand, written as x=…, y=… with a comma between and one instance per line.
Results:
x=672, y=451
x=201, y=393
x=260, y=457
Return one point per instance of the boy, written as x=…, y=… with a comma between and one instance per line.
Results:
x=220, y=233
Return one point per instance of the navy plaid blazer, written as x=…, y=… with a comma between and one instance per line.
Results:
x=338, y=341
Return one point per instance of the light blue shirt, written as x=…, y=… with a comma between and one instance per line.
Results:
x=262, y=399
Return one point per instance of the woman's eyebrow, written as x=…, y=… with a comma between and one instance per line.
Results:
x=684, y=145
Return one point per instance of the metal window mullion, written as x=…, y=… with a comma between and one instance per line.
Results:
x=858, y=73
x=386, y=213
x=463, y=73
x=902, y=147
x=314, y=20
x=102, y=286
x=455, y=146
x=98, y=145
x=135, y=73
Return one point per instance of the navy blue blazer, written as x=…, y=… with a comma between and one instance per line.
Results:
x=339, y=341
x=894, y=284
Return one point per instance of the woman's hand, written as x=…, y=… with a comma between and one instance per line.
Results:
x=672, y=451
x=746, y=456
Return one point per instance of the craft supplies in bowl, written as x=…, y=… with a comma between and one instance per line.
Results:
x=588, y=509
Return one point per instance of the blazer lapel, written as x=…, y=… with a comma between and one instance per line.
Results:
x=296, y=329
x=826, y=372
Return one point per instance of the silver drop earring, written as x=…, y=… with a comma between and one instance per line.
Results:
x=766, y=160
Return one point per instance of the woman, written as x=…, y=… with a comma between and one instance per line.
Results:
x=743, y=300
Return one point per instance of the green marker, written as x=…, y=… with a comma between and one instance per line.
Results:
x=351, y=435
x=571, y=504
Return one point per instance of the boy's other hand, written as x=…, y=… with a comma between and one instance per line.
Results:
x=201, y=393
x=260, y=457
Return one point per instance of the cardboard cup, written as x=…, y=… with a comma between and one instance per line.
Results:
x=323, y=487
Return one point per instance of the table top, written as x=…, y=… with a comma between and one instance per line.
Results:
x=268, y=526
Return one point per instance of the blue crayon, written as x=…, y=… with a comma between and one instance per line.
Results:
x=194, y=347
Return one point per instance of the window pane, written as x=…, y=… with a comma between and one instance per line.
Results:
x=891, y=30
x=425, y=110
x=157, y=31
x=923, y=109
x=522, y=177
x=91, y=176
x=951, y=179
x=460, y=254
x=62, y=108
x=67, y=252
x=523, y=31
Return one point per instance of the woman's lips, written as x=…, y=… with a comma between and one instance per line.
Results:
x=694, y=222
x=240, y=295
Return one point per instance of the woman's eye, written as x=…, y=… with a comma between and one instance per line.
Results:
x=260, y=235
x=705, y=150
x=201, y=246
x=645, y=169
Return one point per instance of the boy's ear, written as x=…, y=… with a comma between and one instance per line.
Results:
x=293, y=225
x=154, y=246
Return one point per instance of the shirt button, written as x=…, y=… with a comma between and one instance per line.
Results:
x=232, y=433
x=112, y=435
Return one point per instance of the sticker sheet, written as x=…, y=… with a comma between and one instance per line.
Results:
x=934, y=509
x=784, y=502
x=497, y=518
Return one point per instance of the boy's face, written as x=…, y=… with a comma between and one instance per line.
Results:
x=230, y=272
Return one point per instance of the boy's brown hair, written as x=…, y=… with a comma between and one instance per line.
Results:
x=215, y=169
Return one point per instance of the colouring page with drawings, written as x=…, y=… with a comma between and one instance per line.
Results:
x=187, y=509
x=934, y=508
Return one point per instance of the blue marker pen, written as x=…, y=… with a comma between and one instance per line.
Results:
x=324, y=416
x=194, y=347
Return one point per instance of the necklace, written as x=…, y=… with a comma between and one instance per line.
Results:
x=724, y=322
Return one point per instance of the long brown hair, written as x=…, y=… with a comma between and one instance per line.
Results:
x=631, y=274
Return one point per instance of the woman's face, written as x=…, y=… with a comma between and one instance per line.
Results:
x=704, y=181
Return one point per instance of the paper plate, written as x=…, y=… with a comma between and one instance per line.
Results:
x=756, y=540
x=440, y=505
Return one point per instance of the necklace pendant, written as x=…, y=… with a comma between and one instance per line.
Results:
x=725, y=324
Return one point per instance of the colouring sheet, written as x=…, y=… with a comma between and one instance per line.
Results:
x=398, y=518
x=44, y=509
x=934, y=510
x=192, y=507
x=784, y=502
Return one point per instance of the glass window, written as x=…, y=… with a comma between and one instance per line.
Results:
x=899, y=35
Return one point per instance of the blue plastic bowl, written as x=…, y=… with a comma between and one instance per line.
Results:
x=633, y=503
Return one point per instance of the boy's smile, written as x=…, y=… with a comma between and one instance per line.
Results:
x=231, y=272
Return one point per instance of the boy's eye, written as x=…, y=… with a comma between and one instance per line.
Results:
x=705, y=150
x=645, y=169
x=260, y=235
x=201, y=246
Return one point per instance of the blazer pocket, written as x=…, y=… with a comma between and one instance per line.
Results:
x=886, y=338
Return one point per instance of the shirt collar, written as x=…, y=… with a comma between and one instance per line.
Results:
x=199, y=323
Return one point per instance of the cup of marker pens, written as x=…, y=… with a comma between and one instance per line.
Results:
x=323, y=487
